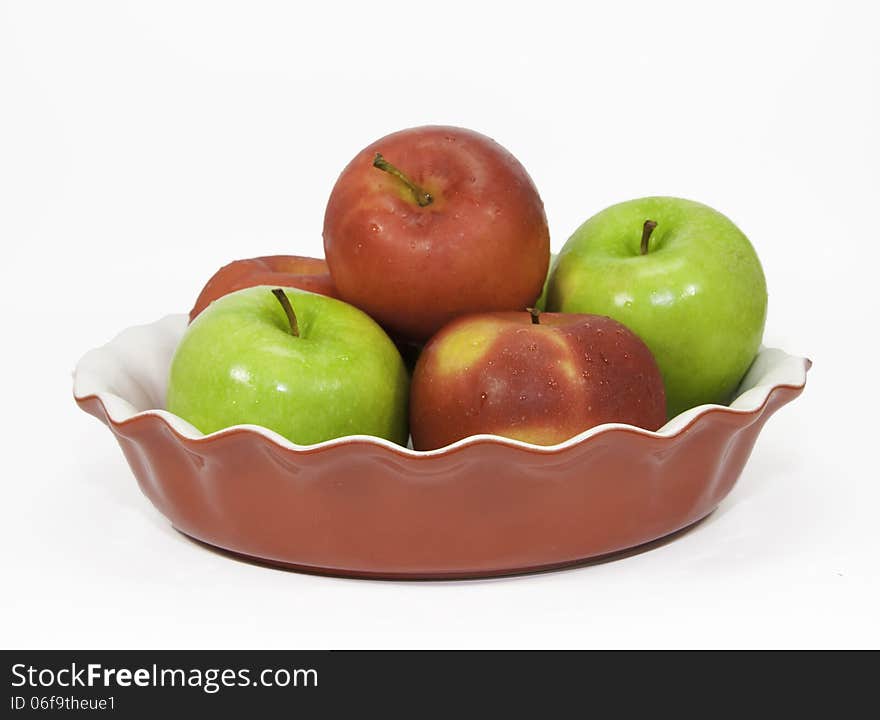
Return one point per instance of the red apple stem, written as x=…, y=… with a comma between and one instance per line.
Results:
x=422, y=197
x=288, y=310
x=535, y=313
x=647, y=229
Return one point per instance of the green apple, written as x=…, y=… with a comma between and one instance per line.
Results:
x=308, y=366
x=541, y=302
x=680, y=275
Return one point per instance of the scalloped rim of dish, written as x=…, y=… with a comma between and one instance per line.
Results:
x=783, y=370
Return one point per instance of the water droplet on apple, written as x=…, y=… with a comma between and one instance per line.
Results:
x=374, y=228
x=523, y=397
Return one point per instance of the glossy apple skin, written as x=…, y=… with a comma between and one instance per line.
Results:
x=481, y=245
x=698, y=298
x=498, y=373
x=238, y=363
x=277, y=270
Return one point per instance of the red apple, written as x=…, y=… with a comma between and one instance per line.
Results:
x=434, y=222
x=304, y=273
x=537, y=378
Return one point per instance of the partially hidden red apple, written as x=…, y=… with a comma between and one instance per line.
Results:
x=431, y=223
x=539, y=378
x=304, y=273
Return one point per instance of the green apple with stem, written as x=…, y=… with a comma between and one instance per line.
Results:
x=680, y=275
x=309, y=367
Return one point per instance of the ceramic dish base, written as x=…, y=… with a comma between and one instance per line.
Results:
x=615, y=556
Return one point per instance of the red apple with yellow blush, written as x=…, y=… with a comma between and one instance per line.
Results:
x=540, y=378
x=304, y=273
x=434, y=222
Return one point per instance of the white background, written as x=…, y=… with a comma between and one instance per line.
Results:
x=143, y=145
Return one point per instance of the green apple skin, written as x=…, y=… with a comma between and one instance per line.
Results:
x=541, y=302
x=698, y=297
x=239, y=363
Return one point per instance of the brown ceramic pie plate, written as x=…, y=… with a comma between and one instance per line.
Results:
x=364, y=507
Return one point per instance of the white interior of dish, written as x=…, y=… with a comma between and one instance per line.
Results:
x=129, y=375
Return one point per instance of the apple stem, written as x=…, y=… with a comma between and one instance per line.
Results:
x=288, y=310
x=647, y=229
x=534, y=312
x=422, y=197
